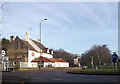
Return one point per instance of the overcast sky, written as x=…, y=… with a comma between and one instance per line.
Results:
x=73, y=26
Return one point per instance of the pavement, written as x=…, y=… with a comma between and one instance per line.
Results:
x=55, y=76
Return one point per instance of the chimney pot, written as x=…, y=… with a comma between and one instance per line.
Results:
x=27, y=36
x=12, y=38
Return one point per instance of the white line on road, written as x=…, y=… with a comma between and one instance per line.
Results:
x=56, y=79
x=26, y=77
x=37, y=78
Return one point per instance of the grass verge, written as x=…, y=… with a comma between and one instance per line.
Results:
x=95, y=72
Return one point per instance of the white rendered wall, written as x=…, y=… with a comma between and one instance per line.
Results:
x=23, y=64
x=36, y=55
x=46, y=55
x=47, y=63
x=30, y=57
x=57, y=64
x=61, y=64
x=34, y=64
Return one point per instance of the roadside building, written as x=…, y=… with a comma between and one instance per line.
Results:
x=77, y=61
x=52, y=62
x=23, y=53
x=6, y=65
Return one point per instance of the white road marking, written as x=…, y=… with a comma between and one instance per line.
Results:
x=56, y=79
x=37, y=78
x=26, y=77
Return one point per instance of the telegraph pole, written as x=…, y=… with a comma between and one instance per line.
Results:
x=92, y=61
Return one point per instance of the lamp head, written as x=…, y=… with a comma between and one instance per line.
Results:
x=45, y=19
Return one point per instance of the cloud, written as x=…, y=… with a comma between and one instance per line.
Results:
x=68, y=23
x=92, y=14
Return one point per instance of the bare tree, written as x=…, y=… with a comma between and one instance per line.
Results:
x=65, y=56
x=100, y=54
x=2, y=5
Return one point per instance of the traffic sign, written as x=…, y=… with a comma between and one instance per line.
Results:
x=3, y=52
x=6, y=58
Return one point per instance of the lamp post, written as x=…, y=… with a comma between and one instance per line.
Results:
x=40, y=41
x=40, y=28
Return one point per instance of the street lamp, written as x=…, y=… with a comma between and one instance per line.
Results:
x=40, y=27
x=40, y=40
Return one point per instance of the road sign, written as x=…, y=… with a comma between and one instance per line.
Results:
x=3, y=52
x=5, y=58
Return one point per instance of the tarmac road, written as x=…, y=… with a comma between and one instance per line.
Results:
x=55, y=76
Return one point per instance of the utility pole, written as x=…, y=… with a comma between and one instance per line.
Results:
x=99, y=59
x=92, y=61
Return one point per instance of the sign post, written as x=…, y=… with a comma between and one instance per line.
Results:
x=77, y=61
x=3, y=53
x=115, y=59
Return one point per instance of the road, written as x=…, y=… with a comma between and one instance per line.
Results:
x=55, y=76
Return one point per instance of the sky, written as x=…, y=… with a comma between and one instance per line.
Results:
x=72, y=26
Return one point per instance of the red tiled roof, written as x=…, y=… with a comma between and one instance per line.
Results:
x=40, y=45
x=28, y=45
x=41, y=59
x=45, y=59
x=37, y=43
x=57, y=60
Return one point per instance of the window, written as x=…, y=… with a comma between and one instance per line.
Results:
x=47, y=50
x=9, y=64
x=14, y=63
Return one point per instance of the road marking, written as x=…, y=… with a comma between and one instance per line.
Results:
x=26, y=77
x=37, y=78
x=56, y=79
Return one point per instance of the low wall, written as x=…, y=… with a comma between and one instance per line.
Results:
x=22, y=69
x=51, y=68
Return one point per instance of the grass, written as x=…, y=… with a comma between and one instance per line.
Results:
x=96, y=72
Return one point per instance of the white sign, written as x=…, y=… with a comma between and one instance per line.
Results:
x=76, y=60
x=3, y=52
x=5, y=58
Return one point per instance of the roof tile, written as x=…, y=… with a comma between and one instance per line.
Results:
x=28, y=45
x=45, y=59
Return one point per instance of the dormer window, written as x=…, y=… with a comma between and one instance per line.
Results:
x=51, y=51
x=48, y=51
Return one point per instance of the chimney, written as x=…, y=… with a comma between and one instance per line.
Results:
x=27, y=36
x=39, y=40
x=12, y=38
